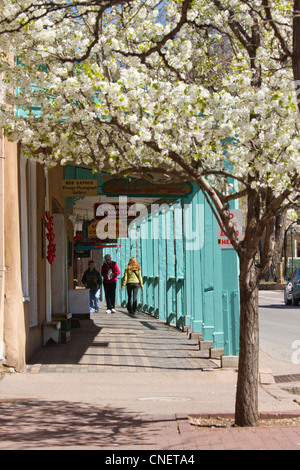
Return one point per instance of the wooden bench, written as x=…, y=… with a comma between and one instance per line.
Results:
x=65, y=320
x=51, y=332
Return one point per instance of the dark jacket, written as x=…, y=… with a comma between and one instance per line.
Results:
x=92, y=279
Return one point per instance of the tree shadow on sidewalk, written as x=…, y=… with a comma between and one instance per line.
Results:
x=34, y=424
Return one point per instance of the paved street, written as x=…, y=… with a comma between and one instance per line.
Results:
x=280, y=340
x=279, y=326
x=132, y=384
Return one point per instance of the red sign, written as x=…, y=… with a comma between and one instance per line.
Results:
x=51, y=249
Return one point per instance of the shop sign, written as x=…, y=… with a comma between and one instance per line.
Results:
x=142, y=188
x=78, y=235
x=82, y=253
x=80, y=188
x=113, y=211
x=236, y=218
x=120, y=230
x=90, y=235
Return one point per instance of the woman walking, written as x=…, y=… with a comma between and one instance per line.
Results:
x=133, y=280
x=110, y=271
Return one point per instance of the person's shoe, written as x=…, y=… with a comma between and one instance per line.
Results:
x=108, y=311
x=113, y=310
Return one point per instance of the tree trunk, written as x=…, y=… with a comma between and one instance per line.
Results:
x=246, y=406
x=277, y=253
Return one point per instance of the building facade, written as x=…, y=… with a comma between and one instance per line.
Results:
x=189, y=280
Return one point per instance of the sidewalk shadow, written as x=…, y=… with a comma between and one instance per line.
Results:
x=118, y=342
x=30, y=424
x=73, y=351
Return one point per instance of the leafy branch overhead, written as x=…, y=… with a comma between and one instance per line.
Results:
x=201, y=90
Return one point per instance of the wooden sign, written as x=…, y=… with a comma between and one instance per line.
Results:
x=80, y=188
x=140, y=188
x=113, y=210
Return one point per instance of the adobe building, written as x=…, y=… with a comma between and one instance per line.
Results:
x=12, y=321
x=27, y=302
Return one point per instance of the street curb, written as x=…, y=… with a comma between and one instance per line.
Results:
x=261, y=414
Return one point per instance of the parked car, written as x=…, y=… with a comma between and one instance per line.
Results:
x=292, y=289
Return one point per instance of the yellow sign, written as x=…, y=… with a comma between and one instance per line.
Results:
x=80, y=188
x=117, y=230
x=92, y=229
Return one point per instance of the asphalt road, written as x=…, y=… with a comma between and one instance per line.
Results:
x=279, y=328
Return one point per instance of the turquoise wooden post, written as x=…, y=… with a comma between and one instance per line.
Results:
x=231, y=299
x=155, y=238
x=198, y=248
x=132, y=239
x=179, y=263
x=123, y=263
x=218, y=333
x=171, y=279
x=188, y=260
x=193, y=250
x=230, y=303
x=139, y=259
x=144, y=259
x=162, y=268
x=150, y=255
x=208, y=305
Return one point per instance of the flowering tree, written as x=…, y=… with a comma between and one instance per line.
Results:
x=197, y=90
x=296, y=48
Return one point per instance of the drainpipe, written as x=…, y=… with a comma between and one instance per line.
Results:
x=2, y=256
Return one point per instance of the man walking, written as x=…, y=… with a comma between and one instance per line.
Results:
x=91, y=279
x=110, y=271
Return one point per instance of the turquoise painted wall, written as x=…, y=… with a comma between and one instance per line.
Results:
x=188, y=279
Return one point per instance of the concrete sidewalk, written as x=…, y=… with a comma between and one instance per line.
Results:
x=127, y=383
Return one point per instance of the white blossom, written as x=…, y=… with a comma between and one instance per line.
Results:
x=187, y=98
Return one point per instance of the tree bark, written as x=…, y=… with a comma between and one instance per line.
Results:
x=246, y=406
x=276, y=258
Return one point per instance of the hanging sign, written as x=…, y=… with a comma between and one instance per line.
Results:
x=90, y=235
x=114, y=210
x=237, y=222
x=82, y=253
x=140, y=188
x=80, y=188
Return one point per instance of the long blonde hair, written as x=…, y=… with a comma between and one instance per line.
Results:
x=133, y=264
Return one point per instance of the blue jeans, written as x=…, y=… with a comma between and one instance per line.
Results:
x=94, y=300
x=110, y=294
x=132, y=291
